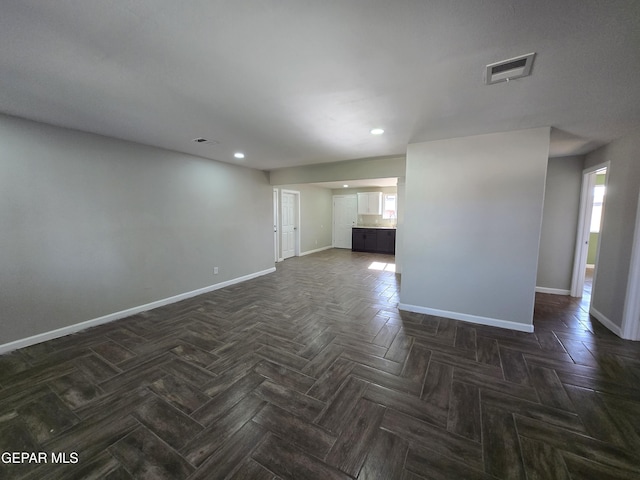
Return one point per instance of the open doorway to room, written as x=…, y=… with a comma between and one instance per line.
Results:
x=588, y=238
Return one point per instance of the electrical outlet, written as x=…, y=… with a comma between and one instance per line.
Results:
x=215, y=270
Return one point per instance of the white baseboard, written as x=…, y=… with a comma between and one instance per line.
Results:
x=491, y=322
x=552, y=291
x=605, y=321
x=77, y=327
x=302, y=254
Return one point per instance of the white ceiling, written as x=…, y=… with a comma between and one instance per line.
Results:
x=294, y=82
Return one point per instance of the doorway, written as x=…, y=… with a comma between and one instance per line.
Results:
x=592, y=201
x=290, y=221
x=345, y=217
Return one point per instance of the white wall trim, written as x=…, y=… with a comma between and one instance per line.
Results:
x=77, y=327
x=552, y=291
x=309, y=252
x=491, y=322
x=605, y=321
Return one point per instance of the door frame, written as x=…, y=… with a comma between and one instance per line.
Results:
x=296, y=216
x=276, y=228
x=630, y=327
x=584, y=224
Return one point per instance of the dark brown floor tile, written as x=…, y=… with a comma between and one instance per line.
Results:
x=318, y=364
x=415, y=367
x=292, y=401
x=583, y=469
x=374, y=362
x=112, y=352
x=193, y=354
x=147, y=457
x=316, y=345
x=351, y=447
x=360, y=346
x=47, y=417
x=407, y=404
x=167, y=422
x=308, y=349
x=216, y=435
x=339, y=407
x=502, y=455
x=306, y=436
x=549, y=415
x=289, y=463
x=251, y=470
x=233, y=452
x=385, y=459
x=549, y=387
x=102, y=467
x=97, y=369
x=281, y=357
x=399, y=348
x=242, y=368
x=542, y=461
x=488, y=351
x=464, y=411
x=216, y=408
x=437, y=386
x=578, y=444
x=462, y=363
x=329, y=383
x=387, y=380
x=434, y=438
x=386, y=335
x=75, y=389
x=15, y=437
x=514, y=366
x=465, y=338
x=424, y=463
x=595, y=416
x=179, y=393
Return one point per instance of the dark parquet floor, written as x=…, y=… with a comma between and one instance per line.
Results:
x=313, y=373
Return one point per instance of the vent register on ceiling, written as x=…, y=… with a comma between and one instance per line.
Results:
x=510, y=69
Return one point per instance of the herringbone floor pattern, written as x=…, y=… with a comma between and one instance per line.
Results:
x=313, y=373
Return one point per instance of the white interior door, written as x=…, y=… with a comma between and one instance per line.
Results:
x=345, y=216
x=288, y=225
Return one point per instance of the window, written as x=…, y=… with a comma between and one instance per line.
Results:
x=596, y=213
x=389, y=206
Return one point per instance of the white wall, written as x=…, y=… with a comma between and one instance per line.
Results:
x=473, y=212
x=380, y=167
x=608, y=296
x=90, y=226
x=559, y=224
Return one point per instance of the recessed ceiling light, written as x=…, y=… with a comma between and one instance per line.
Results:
x=377, y=131
x=238, y=155
x=345, y=186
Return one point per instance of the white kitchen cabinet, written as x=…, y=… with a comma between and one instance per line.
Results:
x=370, y=203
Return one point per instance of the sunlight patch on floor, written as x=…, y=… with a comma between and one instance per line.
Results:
x=387, y=267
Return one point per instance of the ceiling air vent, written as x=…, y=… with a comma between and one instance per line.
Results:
x=509, y=69
x=204, y=141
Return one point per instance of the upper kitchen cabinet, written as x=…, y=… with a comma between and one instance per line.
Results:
x=370, y=203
